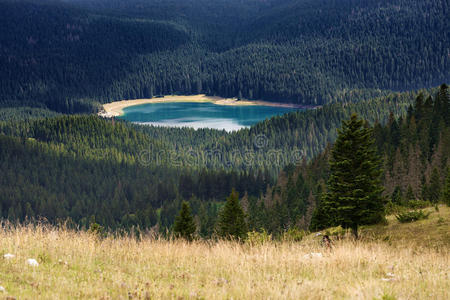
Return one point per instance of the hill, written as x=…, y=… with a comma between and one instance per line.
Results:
x=415, y=161
x=124, y=175
x=69, y=56
x=78, y=264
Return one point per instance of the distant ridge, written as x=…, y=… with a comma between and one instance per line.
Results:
x=71, y=56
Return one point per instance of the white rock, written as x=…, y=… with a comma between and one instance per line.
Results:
x=8, y=256
x=313, y=255
x=2, y=289
x=388, y=279
x=32, y=262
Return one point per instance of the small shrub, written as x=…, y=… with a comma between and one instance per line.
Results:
x=336, y=231
x=388, y=297
x=258, y=238
x=44, y=258
x=417, y=204
x=392, y=208
x=96, y=229
x=293, y=235
x=412, y=216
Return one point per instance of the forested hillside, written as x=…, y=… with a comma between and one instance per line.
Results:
x=415, y=151
x=127, y=175
x=25, y=113
x=267, y=146
x=55, y=181
x=69, y=56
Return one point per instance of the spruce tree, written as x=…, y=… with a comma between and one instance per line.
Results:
x=354, y=188
x=434, y=189
x=397, y=195
x=321, y=217
x=443, y=98
x=446, y=189
x=231, y=223
x=410, y=194
x=184, y=225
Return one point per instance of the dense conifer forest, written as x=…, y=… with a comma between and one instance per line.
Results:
x=60, y=60
x=122, y=175
x=69, y=56
x=415, y=151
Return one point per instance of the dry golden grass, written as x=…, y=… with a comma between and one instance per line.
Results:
x=433, y=232
x=80, y=265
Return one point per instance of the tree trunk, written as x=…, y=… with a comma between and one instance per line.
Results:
x=355, y=231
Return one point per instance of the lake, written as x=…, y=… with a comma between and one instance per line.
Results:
x=201, y=115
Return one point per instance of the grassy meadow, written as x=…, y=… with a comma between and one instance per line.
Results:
x=394, y=261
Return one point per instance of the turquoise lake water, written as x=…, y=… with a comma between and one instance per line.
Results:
x=201, y=115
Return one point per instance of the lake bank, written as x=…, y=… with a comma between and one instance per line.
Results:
x=115, y=109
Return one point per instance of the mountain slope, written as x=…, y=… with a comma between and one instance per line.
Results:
x=69, y=56
x=415, y=152
x=127, y=175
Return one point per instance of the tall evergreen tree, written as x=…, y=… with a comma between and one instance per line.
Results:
x=410, y=194
x=321, y=217
x=434, y=189
x=446, y=190
x=354, y=188
x=231, y=223
x=184, y=225
x=397, y=195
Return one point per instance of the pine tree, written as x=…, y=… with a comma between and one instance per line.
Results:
x=397, y=195
x=354, y=188
x=184, y=225
x=29, y=211
x=231, y=223
x=321, y=217
x=434, y=188
x=444, y=98
x=410, y=194
x=446, y=189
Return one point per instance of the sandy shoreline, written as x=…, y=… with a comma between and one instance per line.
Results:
x=115, y=108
